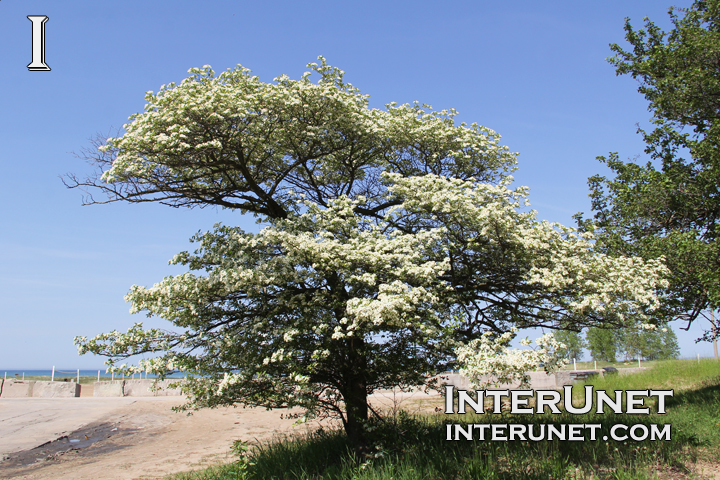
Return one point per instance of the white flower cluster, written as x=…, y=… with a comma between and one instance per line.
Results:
x=488, y=361
x=560, y=262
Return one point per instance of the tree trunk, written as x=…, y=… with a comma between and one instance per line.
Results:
x=355, y=396
x=356, y=415
x=715, y=332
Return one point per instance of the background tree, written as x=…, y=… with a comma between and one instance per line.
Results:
x=602, y=343
x=641, y=341
x=574, y=342
x=664, y=345
x=631, y=343
x=391, y=240
x=670, y=206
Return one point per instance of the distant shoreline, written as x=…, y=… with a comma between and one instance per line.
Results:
x=68, y=373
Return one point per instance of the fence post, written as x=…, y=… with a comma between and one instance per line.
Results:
x=52, y=376
x=98, y=375
x=78, y=376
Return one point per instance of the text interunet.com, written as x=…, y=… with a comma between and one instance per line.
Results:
x=621, y=402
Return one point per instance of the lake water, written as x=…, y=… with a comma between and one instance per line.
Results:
x=68, y=373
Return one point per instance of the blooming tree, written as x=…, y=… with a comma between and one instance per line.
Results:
x=392, y=242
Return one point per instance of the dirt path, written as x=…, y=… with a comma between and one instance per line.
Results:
x=134, y=438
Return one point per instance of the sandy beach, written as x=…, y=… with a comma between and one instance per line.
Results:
x=130, y=438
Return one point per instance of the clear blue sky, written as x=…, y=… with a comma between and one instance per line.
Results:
x=533, y=71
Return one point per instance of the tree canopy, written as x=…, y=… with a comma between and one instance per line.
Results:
x=603, y=344
x=574, y=343
x=670, y=206
x=233, y=141
x=392, y=239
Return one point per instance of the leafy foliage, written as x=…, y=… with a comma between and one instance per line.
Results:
x=602, y=343
x=573, y=341
x=670, y=206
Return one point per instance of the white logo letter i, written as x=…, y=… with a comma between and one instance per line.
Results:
x=38, y=43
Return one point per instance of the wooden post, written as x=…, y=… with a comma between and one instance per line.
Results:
x=78, y=377
x=52, y=376
x=98, y=375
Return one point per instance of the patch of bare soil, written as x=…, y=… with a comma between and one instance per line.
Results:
x=707, y=470
x=146, y=440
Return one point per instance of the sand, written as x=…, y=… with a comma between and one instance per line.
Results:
x=135, y=437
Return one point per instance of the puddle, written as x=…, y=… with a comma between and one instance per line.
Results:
x=74, y=443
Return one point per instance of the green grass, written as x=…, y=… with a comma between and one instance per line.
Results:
x=414, y=447
x=664, y=374
x=695, y=407
x=618, y=365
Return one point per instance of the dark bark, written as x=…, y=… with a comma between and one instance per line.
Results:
x=356, y=415
x=354, y=394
